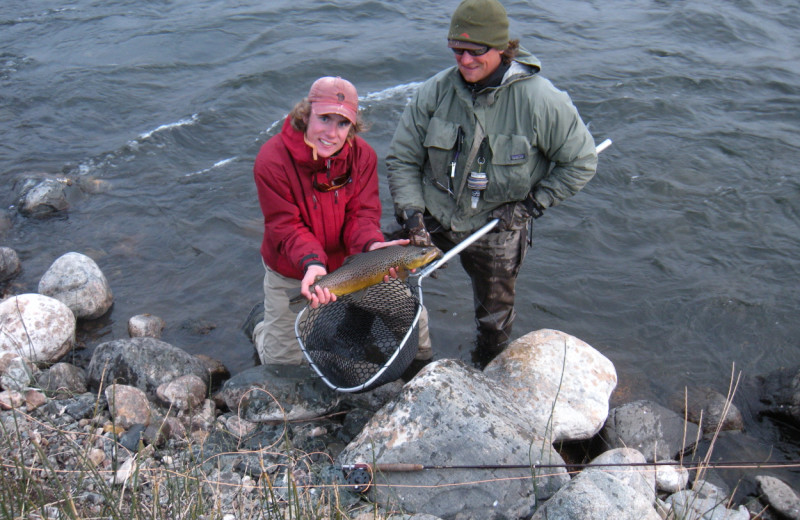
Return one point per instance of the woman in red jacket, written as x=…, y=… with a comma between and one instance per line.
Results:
x=318, y=189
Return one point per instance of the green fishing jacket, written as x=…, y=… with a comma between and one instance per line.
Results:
x=530, y=138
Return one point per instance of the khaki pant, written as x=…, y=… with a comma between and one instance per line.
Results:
x=274, y=338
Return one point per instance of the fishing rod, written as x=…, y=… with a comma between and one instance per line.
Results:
x=360, y=475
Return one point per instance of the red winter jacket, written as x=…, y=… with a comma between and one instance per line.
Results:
x=303, y=225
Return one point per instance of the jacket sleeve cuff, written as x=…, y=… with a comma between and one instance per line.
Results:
x=309, y=260
x=367, y=245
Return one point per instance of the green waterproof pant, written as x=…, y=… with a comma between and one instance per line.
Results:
x=492, y=263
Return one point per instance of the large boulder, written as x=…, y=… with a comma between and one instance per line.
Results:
x=145, y=363
x=39, y=328
x=78, y=282
x=453, y=415
x=563, y=381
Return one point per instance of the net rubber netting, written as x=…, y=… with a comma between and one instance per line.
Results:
x=362, y=340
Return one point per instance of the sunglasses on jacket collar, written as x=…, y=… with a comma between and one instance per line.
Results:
x=331, y=184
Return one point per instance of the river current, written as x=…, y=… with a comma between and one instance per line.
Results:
x=679, y=261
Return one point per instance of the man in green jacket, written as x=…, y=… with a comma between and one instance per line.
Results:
x=488, y=138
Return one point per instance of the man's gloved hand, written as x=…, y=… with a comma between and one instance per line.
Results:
x=414, y=225
x=532, y=206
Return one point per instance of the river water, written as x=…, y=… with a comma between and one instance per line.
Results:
x=680, y=261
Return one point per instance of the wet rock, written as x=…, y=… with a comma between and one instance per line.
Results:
x=198, y=326
x=128, y=405
x=39, y=328
x=657, y=432
x=145, y=325
x=450, y=414
x=276, y=393
x=9, y=263
x=184, y=393
x=78, y=282
x=62, y=379
x=780, y=393
x=42, y=197
x=710, y=405
x=145, y=363
x=779, y=496
x=569, y=396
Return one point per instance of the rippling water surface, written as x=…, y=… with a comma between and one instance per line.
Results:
x=679, y=261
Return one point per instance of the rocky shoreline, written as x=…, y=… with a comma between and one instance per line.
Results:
x=147, y=427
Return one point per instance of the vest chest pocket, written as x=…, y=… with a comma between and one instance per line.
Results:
x=440, y=142
x=511, y=168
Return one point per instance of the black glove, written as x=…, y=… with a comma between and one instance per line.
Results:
x=532, y=206
x=414, y=226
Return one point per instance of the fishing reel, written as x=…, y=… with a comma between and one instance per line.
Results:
x=359, y=476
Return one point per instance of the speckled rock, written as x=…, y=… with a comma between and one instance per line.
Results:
x=574, y=392
x=77, y=281
x=39, y=328
x=145, y=325
x=128, y=405
x=184, y=393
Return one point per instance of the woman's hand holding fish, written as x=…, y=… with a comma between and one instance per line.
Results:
x=379, y=245
x=319, y=296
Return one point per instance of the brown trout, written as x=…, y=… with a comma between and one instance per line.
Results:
x=365, y=269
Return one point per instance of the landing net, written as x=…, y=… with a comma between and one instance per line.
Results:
x=362, y=341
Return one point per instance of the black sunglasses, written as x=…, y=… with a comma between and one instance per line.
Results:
x=472, y=52
x=332, y=185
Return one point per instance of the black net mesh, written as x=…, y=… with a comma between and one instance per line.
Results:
x=357, y=342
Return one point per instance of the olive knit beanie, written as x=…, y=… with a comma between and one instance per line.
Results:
x=480, y=21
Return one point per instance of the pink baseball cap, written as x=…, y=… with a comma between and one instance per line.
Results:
x=331, y=95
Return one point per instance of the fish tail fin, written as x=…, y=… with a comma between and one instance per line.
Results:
x=295, y=296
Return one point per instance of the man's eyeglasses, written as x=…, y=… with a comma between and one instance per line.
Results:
x=472, y=52
x=333, y=184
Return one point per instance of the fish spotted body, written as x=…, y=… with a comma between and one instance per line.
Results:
x=366, y=269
